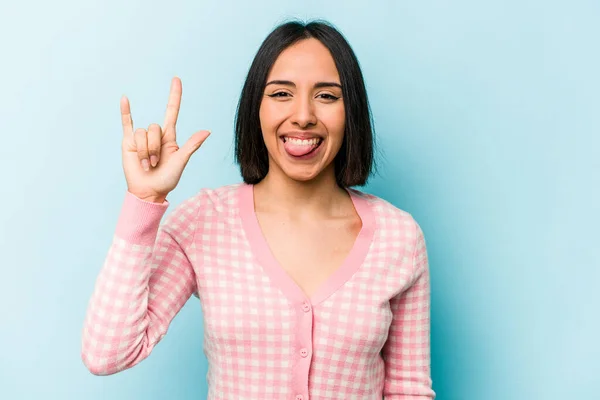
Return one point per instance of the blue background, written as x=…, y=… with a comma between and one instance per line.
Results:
x=488, y=120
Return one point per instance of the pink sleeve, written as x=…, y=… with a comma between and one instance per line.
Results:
x=145, y=280
x=407, y=350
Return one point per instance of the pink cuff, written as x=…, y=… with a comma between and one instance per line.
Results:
x=139, y=220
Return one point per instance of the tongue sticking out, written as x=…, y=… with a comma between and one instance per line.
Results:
x=299, y=149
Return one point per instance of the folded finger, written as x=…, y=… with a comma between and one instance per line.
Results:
x=154, y=140
x=141, y=143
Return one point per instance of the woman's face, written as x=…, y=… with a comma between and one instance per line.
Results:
x=302, y=113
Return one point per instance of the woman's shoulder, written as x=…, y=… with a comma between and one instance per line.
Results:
x=215, y=199
x=381, y=205
x=386, y=214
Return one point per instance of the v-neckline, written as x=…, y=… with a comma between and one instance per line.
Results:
x=261, y=250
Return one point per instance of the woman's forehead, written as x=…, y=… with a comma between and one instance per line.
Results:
x=307, y=60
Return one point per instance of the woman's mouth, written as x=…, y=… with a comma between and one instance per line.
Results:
x=301, y=148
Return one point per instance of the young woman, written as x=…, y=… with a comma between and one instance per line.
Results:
x=309, y=289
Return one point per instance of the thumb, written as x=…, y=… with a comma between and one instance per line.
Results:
x=193, y=143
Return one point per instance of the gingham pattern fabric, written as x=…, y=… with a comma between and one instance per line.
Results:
x=363, y=335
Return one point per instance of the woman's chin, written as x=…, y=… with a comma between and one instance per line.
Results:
x=303, y=173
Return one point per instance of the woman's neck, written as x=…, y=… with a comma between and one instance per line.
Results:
x=320, y=197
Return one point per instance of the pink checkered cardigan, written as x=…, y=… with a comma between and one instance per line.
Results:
x=364, y=334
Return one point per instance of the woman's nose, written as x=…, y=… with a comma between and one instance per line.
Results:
x=304, y=113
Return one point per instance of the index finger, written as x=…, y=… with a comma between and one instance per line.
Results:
x=173, y=104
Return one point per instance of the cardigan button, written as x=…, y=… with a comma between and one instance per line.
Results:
x=306, y=307
x=299, y=397
x=304, y=352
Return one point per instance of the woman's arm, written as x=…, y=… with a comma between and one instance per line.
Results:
x=407, y=350
x=146, y=279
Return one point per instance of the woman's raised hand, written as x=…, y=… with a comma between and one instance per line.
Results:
x=152, y=161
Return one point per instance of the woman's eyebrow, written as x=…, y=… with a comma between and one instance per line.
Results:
x=317, y=85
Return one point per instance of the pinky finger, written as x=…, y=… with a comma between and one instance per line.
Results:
x=126, y=119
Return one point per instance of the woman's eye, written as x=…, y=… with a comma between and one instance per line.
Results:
x=279, y=94
x=328, y=96
x=325, y=96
